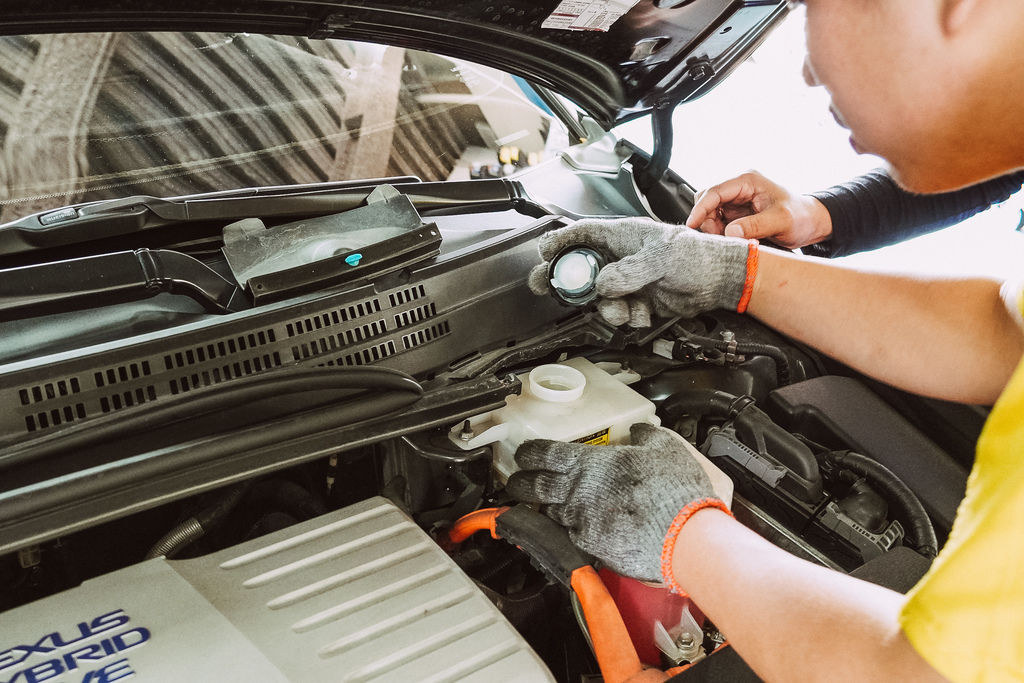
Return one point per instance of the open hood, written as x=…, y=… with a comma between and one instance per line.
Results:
x=616, y=59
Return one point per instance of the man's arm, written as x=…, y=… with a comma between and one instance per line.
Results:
x=868, y=212
x=947, y=338
x=789, y=619
x=872, y=211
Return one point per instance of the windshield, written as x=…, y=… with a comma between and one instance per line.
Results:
x=98, y=116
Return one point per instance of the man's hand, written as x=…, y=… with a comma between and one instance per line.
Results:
x=657, y=268
x=754, y=207
x=617, y=501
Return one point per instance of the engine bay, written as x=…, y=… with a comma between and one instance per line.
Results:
x=316, y=441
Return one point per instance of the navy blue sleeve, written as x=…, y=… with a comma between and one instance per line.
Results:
x=872, y=211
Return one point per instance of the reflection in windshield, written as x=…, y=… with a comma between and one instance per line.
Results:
x=105, y=115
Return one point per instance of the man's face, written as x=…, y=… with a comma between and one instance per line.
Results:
x=894, y=84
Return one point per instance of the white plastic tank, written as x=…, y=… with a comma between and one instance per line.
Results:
x=572, y=401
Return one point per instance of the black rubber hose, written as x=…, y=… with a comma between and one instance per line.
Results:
x=272, y=384
x=782, y=367
x=782, y=370
x=921, y=529
x=285, y=496
x=212, y=514
x=705, y=402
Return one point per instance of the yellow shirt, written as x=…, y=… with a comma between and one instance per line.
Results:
x=966, y=616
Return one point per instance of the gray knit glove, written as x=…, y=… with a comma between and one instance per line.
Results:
x=663, y=269
x=617, y=501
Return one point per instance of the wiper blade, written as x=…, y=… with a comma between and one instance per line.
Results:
x=114, y=217
x=127, y=215
x=117, y=217
x=107, y=279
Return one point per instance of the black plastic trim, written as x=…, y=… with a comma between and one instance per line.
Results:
x=77, y=500
x=113, y=278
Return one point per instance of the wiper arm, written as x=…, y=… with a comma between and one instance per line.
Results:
x=127, y=215
x=114, y=278
x=75, y=224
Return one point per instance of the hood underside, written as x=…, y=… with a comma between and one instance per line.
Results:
x=616, y=59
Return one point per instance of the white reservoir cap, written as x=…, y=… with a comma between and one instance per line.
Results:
x=575, y=272
x=557, y=383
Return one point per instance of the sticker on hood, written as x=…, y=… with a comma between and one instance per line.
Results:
x=587, y=15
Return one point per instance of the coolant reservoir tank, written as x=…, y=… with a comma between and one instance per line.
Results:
x=572, y=401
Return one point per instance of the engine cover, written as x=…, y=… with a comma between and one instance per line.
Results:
x=360, y=594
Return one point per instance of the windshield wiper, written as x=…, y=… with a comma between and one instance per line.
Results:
x=106, y=279
x=126, y=215
x=116, y=217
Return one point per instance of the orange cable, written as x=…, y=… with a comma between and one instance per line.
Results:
x=481, y=520
x=612, y=646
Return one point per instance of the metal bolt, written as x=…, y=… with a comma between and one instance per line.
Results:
x=728, y=335
x=701, y=70
x=467, y=431
x=688, y=647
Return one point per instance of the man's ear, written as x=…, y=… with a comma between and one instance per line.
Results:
x=955, y=14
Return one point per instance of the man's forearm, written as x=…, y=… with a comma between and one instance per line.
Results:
x=872, y=211
x=791, y=620
x=948, y=338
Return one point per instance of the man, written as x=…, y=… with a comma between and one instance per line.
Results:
x=924, y=84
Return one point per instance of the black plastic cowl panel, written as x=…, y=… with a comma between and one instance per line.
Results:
x=419, y=321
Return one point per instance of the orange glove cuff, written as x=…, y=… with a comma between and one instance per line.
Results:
x=748, y=284
x=669, y=547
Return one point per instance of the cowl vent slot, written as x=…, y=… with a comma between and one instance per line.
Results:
x=55, y=417
x=48, y=391
x=356, y=335
x=415, y=315
x=122, y=373
x=371, y=355
x=405, y=296
x=341, y=315
x=127, y=399
x=242, y=368
x=414, y=339
x=364, y=357
x=220, y=349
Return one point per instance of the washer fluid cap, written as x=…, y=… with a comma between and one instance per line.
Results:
x=557, y=383
x=575, y=271
x=572, y=274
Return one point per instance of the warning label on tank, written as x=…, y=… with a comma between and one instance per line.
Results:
x=587, y=15
x=600, y=438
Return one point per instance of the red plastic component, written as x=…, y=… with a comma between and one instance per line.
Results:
x=641, y=606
